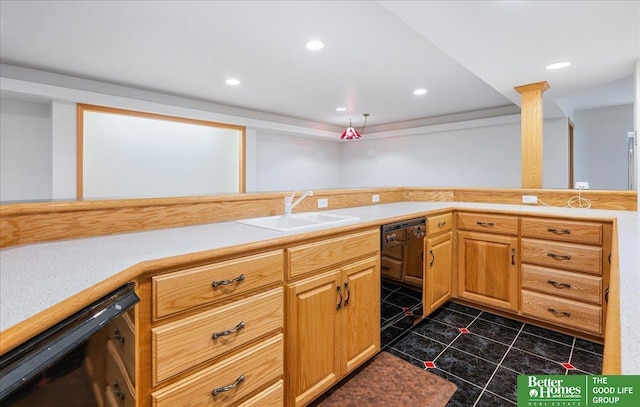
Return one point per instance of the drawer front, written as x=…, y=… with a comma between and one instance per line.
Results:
x=562, y=255
x=310, y=257
x=566, y=231
x=563, y=312
x=190, y=288
x=119, y=390
x=256, y=366
x=562, y=283
x=122, y=338
x=180, y=345
x=272, y=396
x=391, y=267
x=439, y=223
x=506, y=225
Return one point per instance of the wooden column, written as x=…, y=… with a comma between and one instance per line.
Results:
x=532, y=122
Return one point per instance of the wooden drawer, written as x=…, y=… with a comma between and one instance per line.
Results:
x=119, y=391
x=391, y=267
x=394, y=251
x=121, y=336
x=563, y=312
x=562, y=283
x=566, y=231
x=272, y=396
x=323, y=254
x=190, y=288
x=506, y=225
x=257, y=365
x=562, y=255
x=439, y=223
x=182, y=344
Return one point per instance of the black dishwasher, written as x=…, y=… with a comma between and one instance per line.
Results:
x=48, y=370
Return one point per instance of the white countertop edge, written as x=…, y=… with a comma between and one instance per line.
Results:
x=36, y=277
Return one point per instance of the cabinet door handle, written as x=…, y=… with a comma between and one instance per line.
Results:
x=559, y=256
x=558, y=285
x=348, y=291
x=606, y=295
x=224, y=389
x=555, y=311
x=228, y=332
x=485, y=224
x=441, y=224
x=340, y=299
x=117, y=335
x=116, y=390
x=559, y=231
x=227, y=282
x=433, y=258
x=513, y=256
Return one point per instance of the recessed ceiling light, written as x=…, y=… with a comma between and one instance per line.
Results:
x=232, y=82
x=340, y=109
x=558, y=65
x=419, y=91
x=315, y=45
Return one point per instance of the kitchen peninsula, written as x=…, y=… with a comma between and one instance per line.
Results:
x=41, y=282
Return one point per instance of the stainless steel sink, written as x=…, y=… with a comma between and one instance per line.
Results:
x=296, y=221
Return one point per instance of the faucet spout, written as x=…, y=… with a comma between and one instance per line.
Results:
x=289, y=204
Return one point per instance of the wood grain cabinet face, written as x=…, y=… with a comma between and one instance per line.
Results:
x=202, y=285
x=565, y=272
x=332, y=322
x=180, y=345
x=488, y=269
x=437, y=288
x=227, y=382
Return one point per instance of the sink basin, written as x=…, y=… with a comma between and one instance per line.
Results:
x=296, y=221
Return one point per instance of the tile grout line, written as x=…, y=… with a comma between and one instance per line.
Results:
x=499, y=364
x=566, y=371
x=454, y=339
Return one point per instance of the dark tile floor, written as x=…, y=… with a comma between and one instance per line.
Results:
x=482, y=353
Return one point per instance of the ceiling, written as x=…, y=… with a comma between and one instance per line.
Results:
x=468, y=55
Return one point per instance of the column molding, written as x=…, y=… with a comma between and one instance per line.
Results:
x=532, y=126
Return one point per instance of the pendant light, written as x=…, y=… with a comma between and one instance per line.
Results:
x=351, y=133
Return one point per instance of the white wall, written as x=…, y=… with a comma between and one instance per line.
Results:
x=25, y=151
x=484, y=156
x=600, y=146
x=285, y=162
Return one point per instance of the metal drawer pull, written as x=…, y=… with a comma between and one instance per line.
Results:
x=559, y=231
x=559, y=256
x=441, y=224
x=433, y=258
x=224, y=389
x=346, y=288
x=227, y=282
x=513, y=256
x=485, y=224
x=117, y=335
x=558, y=285
x=116, y=390
x=238, y=327
x=340, y=301
x=555, y=311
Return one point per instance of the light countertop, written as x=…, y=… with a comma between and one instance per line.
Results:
x=36, y=277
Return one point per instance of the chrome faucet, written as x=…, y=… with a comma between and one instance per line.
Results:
x=288, y=205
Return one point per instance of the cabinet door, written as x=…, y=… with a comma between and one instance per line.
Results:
x=313, y=332
x=412, y=269
x=437, y=282
x=360, y=314
x=488, y=269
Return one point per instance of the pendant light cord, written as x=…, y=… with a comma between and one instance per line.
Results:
x=365, y=122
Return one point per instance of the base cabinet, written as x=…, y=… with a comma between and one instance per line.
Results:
x=333, y=326
x=488, y=269
x=437, y=269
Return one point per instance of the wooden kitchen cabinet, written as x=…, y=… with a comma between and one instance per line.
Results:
x=438, y=246
x=332, y=321
x=438, y=274
x=487, y=261
x=565, y=272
